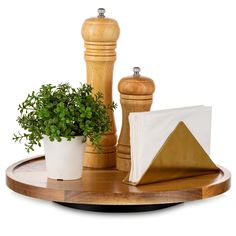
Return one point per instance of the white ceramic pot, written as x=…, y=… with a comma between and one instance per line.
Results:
x=64, y=160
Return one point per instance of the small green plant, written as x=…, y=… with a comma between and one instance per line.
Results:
x=63, y=111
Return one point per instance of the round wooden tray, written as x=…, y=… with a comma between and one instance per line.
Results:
x=105, y=188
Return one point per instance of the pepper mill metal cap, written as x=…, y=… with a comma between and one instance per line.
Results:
x=136, y=84
x=101, y=12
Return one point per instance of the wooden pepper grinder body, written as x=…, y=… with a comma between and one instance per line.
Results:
x=100, y=35
x=135, y=96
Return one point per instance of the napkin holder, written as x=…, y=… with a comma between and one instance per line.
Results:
x=181, y=156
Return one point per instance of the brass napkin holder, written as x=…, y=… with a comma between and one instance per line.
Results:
x=181, y=156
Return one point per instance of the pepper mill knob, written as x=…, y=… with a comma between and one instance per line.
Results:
x=101, y=12
x=135, y=96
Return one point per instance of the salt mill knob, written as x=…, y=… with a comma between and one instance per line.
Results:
x=136, y=71
x=135, y=96
x=101, y=12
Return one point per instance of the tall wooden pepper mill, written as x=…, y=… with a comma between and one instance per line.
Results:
x=100, y=35
x=135, y=96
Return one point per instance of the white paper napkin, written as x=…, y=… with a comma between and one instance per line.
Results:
x=149, y=131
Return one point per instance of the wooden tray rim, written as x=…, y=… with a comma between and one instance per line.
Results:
x=111, y=198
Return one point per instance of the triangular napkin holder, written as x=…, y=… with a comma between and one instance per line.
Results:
x=181, y=156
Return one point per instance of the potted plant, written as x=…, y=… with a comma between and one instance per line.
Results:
x=63, y=117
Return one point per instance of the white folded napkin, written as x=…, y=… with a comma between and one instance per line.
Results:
x=149, y=131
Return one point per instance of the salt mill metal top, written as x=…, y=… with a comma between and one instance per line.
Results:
x=100, y=35
x=135, y=96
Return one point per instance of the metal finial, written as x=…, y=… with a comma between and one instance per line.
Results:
x=136, y=71
x=101, y=12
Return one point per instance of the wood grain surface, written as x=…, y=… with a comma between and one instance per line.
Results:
x=105, y=187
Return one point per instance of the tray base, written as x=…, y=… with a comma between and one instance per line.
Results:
x=117, y=208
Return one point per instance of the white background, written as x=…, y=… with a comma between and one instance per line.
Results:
x=187, y=47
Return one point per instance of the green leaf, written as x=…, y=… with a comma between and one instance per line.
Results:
x=63, y=111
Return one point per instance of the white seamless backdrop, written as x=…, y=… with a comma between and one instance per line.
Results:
x=188, y=47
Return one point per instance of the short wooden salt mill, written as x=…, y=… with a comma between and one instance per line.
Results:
x=135, y=96
x=100, y=35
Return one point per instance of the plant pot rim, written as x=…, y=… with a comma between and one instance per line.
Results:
x=78, y=136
